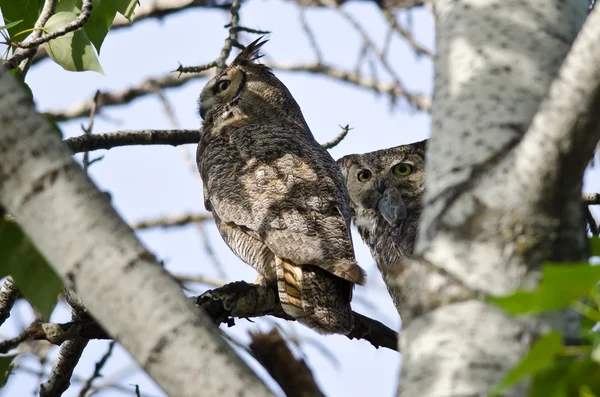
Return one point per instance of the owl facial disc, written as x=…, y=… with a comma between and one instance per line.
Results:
x=392, y=207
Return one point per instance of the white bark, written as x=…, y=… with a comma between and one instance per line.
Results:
x=501, y=194
x=98, y=256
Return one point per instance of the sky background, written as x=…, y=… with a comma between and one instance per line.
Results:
x=151, y=181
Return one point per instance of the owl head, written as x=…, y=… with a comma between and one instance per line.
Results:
x=385, y=184
x=248, y=90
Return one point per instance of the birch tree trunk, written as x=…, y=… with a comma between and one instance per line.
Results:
x=503, y=189
x=98, y=256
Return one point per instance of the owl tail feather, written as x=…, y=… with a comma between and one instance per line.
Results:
x=315, y=297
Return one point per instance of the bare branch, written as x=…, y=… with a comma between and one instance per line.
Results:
x=97, y=368
x=339, y=138
x=394, y=24
x=88, y=130
x=172, y=221
x=232, y=40
x=200, y=280
x=59, y=379
x=421, y=102
x=125, y=138
x=26, y=55
x=243, y=300
x=84, y=15
x=294, y=376
x=8, y=296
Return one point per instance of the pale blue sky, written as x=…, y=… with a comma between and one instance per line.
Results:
x=151, y=181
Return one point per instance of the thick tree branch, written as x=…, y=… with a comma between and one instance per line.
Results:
x=97, y=255
x=234, y=300
x=243, y=300
x=62, y=370
x=293, y=375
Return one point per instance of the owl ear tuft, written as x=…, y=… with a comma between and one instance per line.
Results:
x=251, y=53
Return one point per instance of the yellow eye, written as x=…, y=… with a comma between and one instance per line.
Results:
x=403, y=169
x=363, y=175
x=223, y=85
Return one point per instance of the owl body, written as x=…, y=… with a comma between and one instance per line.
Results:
x=386, y=189
x=279, y=199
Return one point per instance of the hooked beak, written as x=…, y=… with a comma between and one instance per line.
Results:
x=380, y=186
x=202, y=112
x=392, y=206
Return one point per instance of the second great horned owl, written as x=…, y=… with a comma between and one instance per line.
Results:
x=386, y=188
x=278, y=198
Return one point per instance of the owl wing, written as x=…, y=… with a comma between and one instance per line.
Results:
x=283, y=188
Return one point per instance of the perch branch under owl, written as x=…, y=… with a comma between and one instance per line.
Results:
x=234, y=300
x=242, y=300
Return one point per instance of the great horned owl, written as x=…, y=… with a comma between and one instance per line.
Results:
x=278, y=198
x=386, y=188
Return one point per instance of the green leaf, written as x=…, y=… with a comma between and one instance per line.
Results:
x=73, y=6
x=10, y=25
x=595, y=246
x=126, y=8
x=26, y=11
x=34, y=277
x=101, y=19
x=73, y=51
x=540, y=355
x=6, y=364
x=560, y=286
x=551, y=381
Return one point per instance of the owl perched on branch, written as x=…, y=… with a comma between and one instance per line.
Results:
x=386, y=189
x=278, y=198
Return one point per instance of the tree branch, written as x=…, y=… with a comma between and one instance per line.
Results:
x=62, y=370
x=242, y=300
x=172, y=221
x=84, y=143
x=294, y=376
x=97, y=255
x=26, y=55
x=84, y=15
x=8, y=296
x=421, y=102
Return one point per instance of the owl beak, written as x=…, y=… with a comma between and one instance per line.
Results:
x=380, y=186
x=392, y=207
x=202, y=112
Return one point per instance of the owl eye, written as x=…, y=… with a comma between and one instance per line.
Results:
x=363, y=175
x=223, y=85
x=403, y=169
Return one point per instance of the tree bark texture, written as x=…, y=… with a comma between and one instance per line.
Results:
x=502, y=188
x=97, y=255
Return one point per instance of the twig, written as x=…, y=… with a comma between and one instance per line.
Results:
x=243, y=300
x=294, y=376
x=384, y=63
x=310, y=35
x=232, y=40
x=394, y=24
x=26, y=55
x=8, y=296
x=421, y=102
x=125, y=138
x=84, y=15
x=172, y=221
x=200, y=280
x=9, y=344
x=88, y=130
x=339, y=138
x=98, y=367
